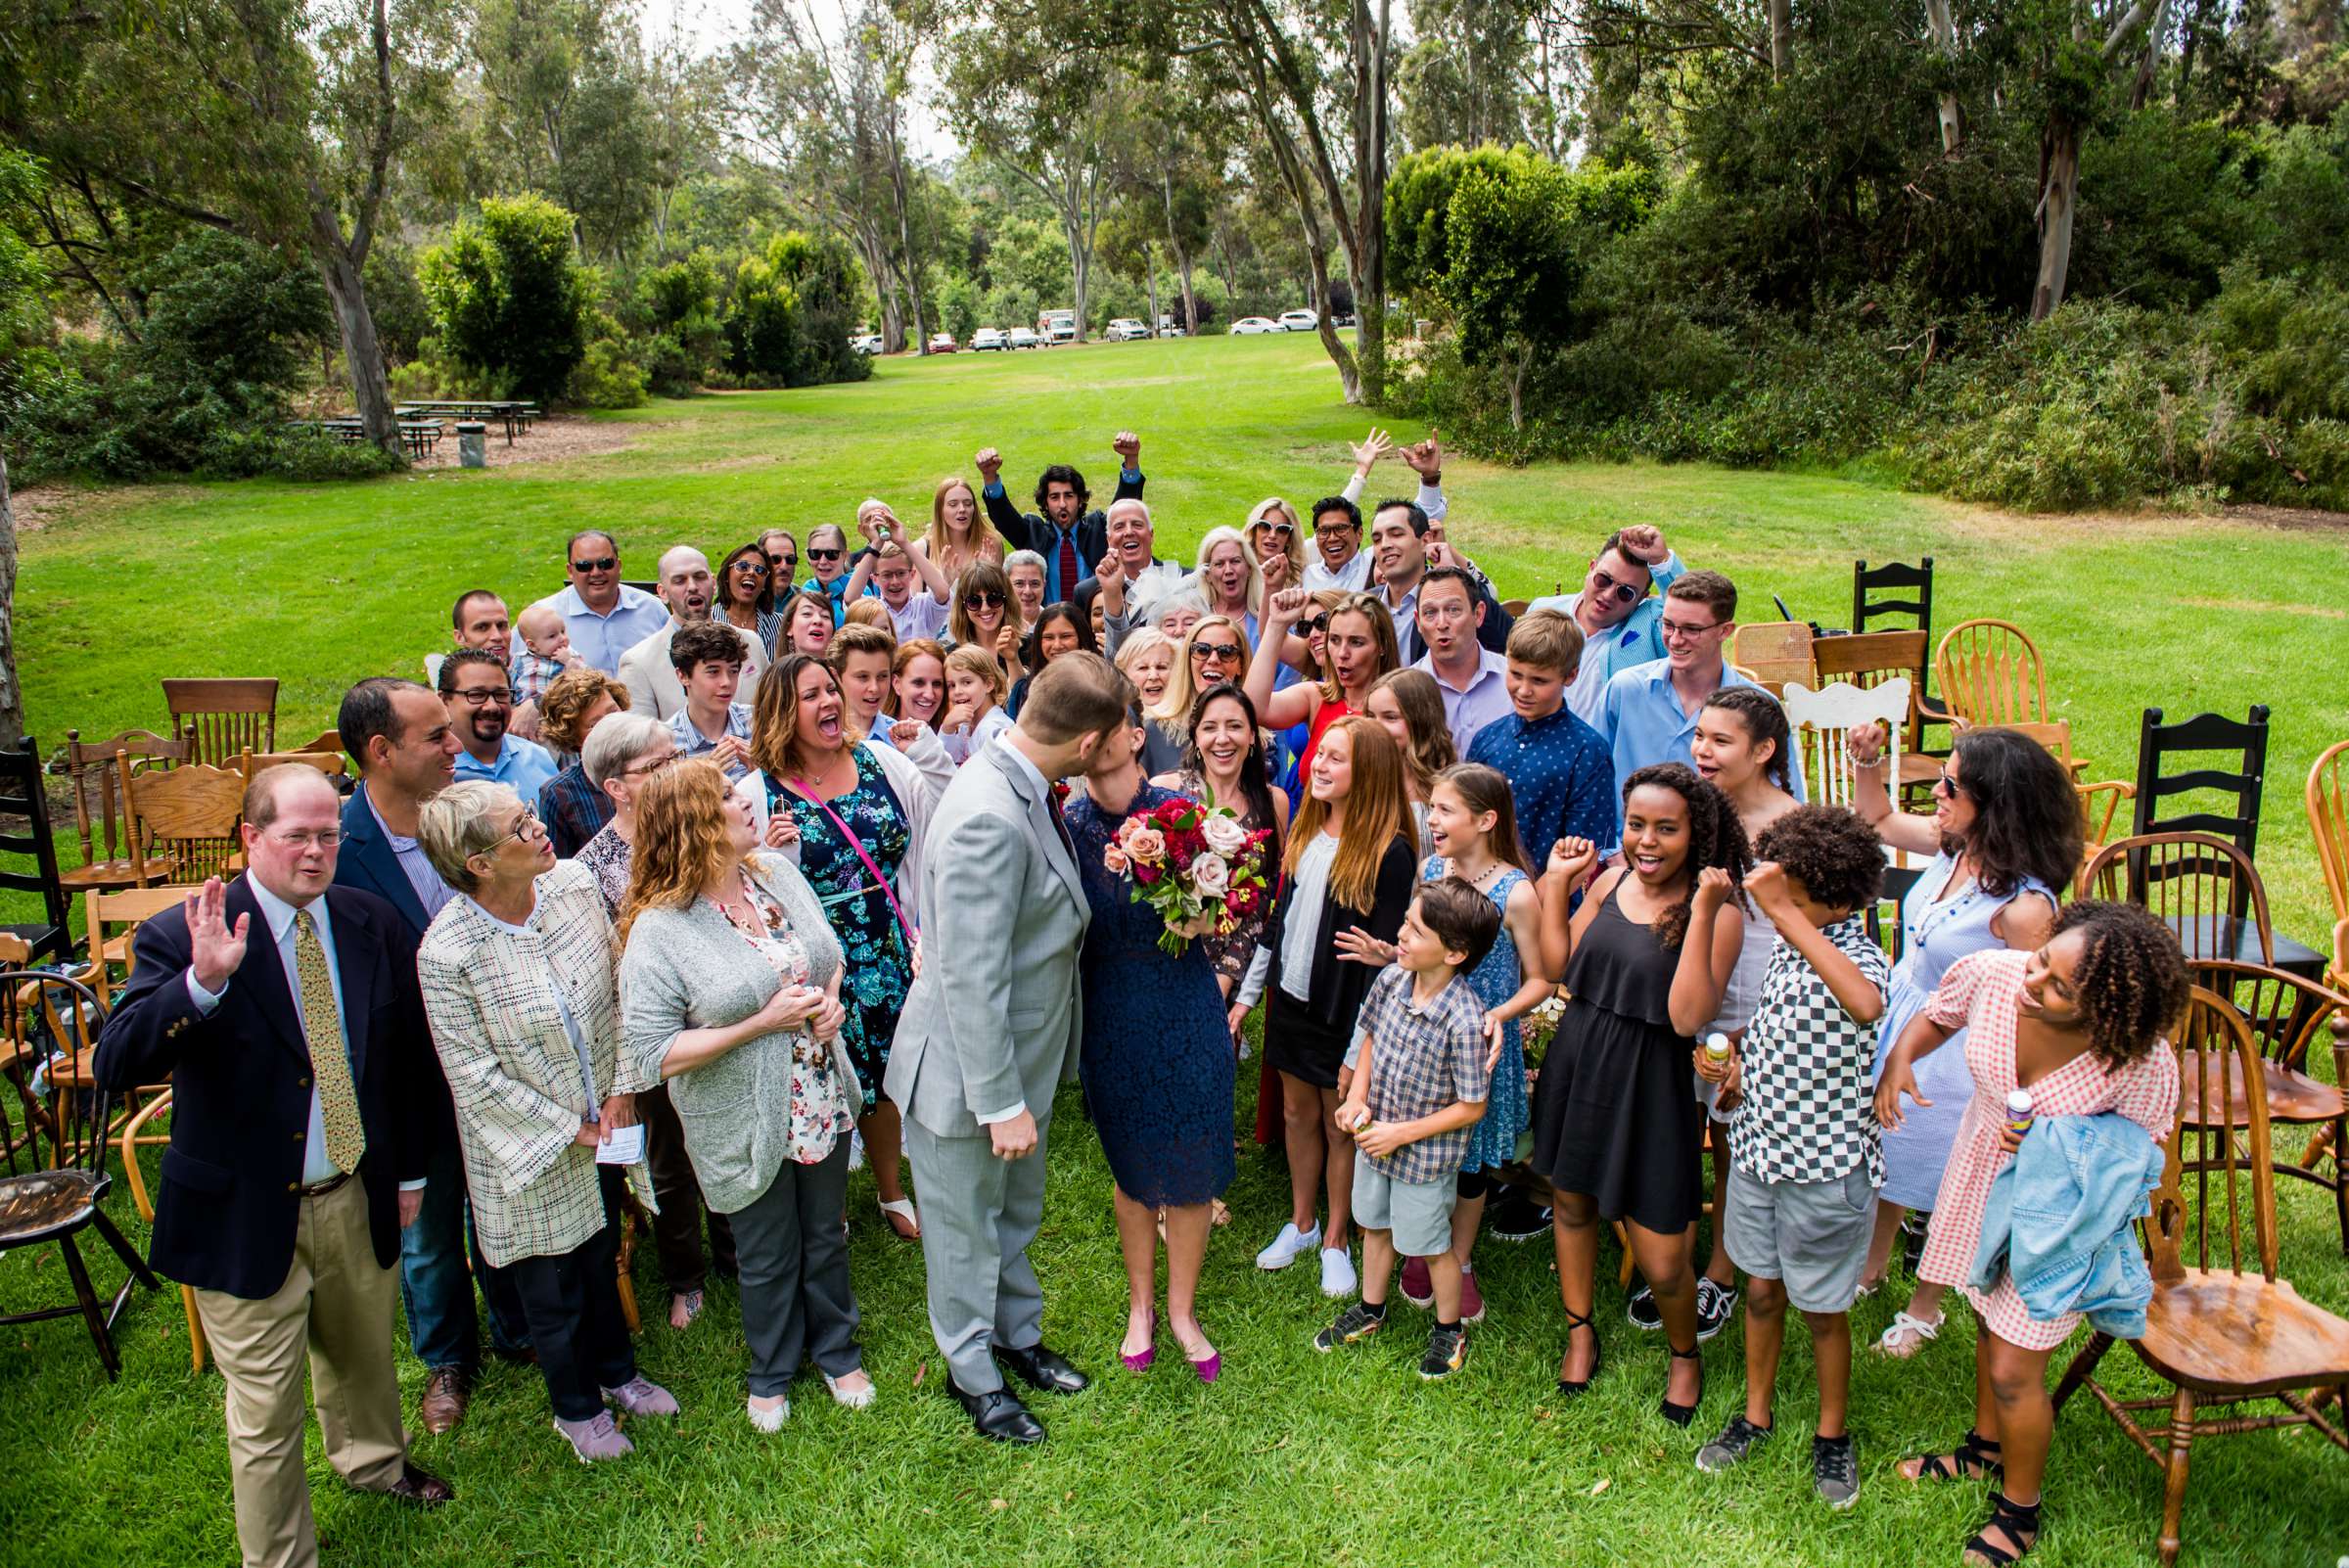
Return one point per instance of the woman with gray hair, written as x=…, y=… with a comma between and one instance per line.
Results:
x=731, y=979
x=621, y=753
x=518, y=985
x=1026, y=570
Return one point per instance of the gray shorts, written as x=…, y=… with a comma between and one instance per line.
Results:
x=1810, y=1235
x=1418, y=1213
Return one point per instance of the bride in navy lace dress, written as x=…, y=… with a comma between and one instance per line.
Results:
x=1157, y=1068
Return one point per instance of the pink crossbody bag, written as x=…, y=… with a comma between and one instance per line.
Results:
x=800, y=788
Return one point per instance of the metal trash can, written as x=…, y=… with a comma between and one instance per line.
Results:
x=473, y=444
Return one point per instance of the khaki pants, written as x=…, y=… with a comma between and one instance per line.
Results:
x=337, y=1302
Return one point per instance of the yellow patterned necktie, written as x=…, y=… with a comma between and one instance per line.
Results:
x=338, y=1096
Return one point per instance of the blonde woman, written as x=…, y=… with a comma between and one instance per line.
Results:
x=959, y=535
x=1225, y=576
x=731, y=978
x=1147, y=657
x=1276, y=544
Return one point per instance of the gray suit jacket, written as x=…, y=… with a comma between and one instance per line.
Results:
x=994, y=1018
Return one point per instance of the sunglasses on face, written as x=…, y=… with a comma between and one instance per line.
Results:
x=1215, y=650
x=1319, y=623
x=783, y=564
x=1278, y=530
x=815, y=554
x=1947, y=786
x=751, y=569
x=600, y=563
x=1606, y=587
x=982, y=599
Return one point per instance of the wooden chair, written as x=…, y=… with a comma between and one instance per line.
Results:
x=1874, y=591
x=2160, y=743
x=110, y=918
x=57, y=1178
x=1870, y=661
x=134, y=1132
x=2329, y=822
x=2221, y=1328
x=228, y=714
x=29, y=852
x=190, y=815
x=2288, y=1016
x=2204, y=886
x=1823, y=722
x=100, y=815
x=1772, y=653
x=1513, y=608
x=334, y=764
x=1990, y=672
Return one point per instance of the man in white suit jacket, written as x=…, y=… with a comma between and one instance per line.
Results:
x=688, y=591
x=991, y=1030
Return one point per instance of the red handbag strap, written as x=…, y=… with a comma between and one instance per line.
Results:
x=800, y=788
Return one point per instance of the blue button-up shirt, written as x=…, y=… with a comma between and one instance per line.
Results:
x=1561, y=775
x=1644, y=723
x=1469, y=709
x=691, y=742
x=1634, y=640
x=602, y=639
x=524, y=764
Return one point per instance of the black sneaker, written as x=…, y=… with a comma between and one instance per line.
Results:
x=1355, y=1324
x=1642, y=1309
x=1736, y=1441
x=1447, y=1349
x=1714, y=1305
x=1515, y=1217
x=1834, y=1470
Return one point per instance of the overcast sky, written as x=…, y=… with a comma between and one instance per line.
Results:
x=715, y=25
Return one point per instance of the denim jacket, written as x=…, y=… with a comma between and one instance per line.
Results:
x=2057, y=1218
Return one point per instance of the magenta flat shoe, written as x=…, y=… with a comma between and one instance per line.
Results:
x=1141, y=1362
x=1210, y=1366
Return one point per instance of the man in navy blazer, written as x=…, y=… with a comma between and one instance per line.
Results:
x=398, y=735
x=1063, y=520
x=287, y=1246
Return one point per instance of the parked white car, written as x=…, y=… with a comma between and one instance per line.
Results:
x=866, y=342
x=1126, y=330
x=1299, y=321
x=989, y=337
x=1057, y=326
x=1252, y=326
x=1026, y=338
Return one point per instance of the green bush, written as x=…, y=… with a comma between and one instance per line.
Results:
x=508, y=297
x=607, y=375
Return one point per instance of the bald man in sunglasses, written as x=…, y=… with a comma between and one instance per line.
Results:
x=1618, y=610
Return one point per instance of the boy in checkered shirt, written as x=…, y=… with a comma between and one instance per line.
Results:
x=1804, y=1157
x=1420, y=1082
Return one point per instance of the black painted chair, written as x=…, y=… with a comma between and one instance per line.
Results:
x=29, y=852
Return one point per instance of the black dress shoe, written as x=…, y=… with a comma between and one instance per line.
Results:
x=1043, y=1368
x=999, y=1415
x=420, y=1487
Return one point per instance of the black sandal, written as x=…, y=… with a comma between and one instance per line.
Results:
x=1598, y=1349
x=2017, y=1519
x=1974, y=1460
x=1682, y=1414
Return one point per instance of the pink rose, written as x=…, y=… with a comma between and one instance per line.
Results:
x=1211, y=876
x=1147, y=845
x=1223, y=833
x=1114, y=858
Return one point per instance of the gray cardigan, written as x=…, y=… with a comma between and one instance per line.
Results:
x=690, y=969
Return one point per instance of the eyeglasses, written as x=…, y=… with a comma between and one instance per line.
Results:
x=647, y=766
x=1682, y=628
x=815, y=554
x=324, y=838
x=750, y=568
x=600, y=563
x=525, y=828
x=1337, y=527
x=1215, y=650
x=982, y=599
x=1607, y=587
x=484, y=696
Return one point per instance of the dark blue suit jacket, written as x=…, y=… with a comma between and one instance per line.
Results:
x=225, y=1217
x=1031, y=530
x=368, y=864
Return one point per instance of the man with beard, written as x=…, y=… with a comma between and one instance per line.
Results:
x=474, y=690
x=647, y=670
x=1069, y=537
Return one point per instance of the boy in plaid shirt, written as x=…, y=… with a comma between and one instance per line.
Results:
x=1805, y=1156
x=1419, y=1085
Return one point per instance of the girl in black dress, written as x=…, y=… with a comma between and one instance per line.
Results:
x=1645, y=958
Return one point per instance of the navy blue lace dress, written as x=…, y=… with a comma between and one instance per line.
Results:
x=1156, y=1059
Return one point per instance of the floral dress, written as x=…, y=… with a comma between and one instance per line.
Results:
x=819, y=1100
x=877, y=970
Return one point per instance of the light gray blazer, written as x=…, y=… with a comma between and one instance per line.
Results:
x=993, y=1019
x=690, y=969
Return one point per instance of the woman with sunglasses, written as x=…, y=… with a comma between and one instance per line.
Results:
x=1276, y=544
x=1214, y=651
x=959, y=535
x=746, y=596
x=828, y=566
x=2005, y=835
x=987, y=617
x=1225, y=576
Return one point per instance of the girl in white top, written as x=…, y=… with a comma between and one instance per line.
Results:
x=974, y=693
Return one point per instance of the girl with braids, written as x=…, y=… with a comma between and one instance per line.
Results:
x=2078, y=1023
x=1646, y=960
x=2005, y=835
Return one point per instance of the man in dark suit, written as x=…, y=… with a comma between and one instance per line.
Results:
x=1070, y=539
x=286, y=1012
x=398, y=735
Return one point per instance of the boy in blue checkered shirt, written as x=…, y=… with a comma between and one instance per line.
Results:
x=1419, y=1085
x=1805, y=1150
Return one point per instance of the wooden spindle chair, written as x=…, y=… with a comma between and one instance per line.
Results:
x=2289, y=1016
x=1990, y=672
x=1873, y=660
x=228, y=715
x=100, y=816
x=2204, y=886
x=184, y=822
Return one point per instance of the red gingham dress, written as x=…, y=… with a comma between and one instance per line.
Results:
x=1979, y=994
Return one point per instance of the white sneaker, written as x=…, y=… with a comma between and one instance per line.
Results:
x=1338, y=1278
x=766, y=1420
x=1289, y=1246
x=854, y=1398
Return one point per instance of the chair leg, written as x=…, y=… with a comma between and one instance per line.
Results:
x=126, y=1251
x=91, y=1312
x=187, y=1298
x=2082, y=1366
x=2173, y=1497
x=2340, y=1176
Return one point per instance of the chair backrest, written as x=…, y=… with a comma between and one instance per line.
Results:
x=1773, y=653
x=99, y=814
x=2328, y=821
x=330, y=741
x=2287, y=1013
x=1990, y=672
x=1823, y=722
x=183, y=821
x=2054, y=734
x=1892, y=589
x=2219, y=1136
x=334, y=764
x=26, y=837
x=1513, y=608
x=50, y=1025
x=2157, y=743
x=230, y=714
x=104, y=911
x=2204, y=886
x=1873, y=659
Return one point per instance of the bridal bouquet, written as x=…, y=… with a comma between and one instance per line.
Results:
x=1196, y=865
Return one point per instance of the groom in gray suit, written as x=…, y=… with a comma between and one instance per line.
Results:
x=990, y=1028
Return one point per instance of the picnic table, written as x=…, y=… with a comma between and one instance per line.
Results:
x=513, y=415
x=418, y=435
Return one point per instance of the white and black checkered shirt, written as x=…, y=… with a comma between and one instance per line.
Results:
x=1809, y=1112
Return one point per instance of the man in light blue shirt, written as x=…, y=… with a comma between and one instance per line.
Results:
x=1619, y=618
x=1650, y=710
x=1471, y=678
x=604, y=615
x=479, y=702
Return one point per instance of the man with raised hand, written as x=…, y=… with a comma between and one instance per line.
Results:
x=1618, y=610
x=1069, y=538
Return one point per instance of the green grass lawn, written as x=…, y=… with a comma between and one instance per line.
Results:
x=1292, y=1458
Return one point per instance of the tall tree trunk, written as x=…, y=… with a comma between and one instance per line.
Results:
x=1782, y=37
x=12, y=697
x=2059, y=194
x=903, y=201
x=2141, y=91
x=1366, y=245
x=1150, y=270
x=1182, y=258
x=362, y=352
x=1316, y=245
x=1230, y=271
x=1944, y=28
